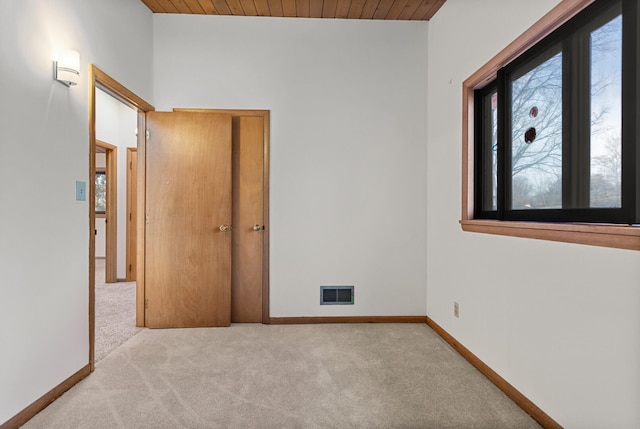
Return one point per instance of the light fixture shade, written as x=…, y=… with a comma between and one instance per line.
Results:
x=67, y=67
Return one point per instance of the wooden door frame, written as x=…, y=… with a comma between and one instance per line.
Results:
x=99, y=79
x=111, y=214
x=265, y=114
x=132, y=210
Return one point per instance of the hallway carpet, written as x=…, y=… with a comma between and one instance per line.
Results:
x=285, y=376
x=115, y=313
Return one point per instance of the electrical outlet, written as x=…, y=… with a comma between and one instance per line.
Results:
x=456, y=309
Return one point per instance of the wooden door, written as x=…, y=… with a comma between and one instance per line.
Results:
x=132, y=213
x=188, y=209
x=248, y=221
x=250, y=254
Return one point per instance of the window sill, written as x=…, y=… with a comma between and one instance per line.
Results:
x=605, y=235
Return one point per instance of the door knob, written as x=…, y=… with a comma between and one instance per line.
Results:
x=257, y=227
x=224, y=228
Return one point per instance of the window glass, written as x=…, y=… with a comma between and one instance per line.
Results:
x=606, y=115
x=101, y=192
x=489, y=152
x=494, y=150
x=536, y=136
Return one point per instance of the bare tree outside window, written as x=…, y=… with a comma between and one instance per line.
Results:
x=537, y=127
x=606, y=115
x=101, y=192
x=536, y=135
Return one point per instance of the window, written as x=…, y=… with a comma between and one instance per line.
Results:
x=486, y=207
x=555, y=128
x=101, y=192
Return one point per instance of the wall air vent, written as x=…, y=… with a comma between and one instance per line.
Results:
x=336, y=295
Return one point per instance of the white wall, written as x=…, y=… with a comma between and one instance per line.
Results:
x=559, y=321
x=101, y=158
x=44, y=150
x=101, y=237
x=116, y=124
x=348, y=145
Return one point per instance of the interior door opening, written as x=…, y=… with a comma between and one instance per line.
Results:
x=98, y=80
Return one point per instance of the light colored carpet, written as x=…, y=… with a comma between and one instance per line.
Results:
x=115, y=313
x=292, y=376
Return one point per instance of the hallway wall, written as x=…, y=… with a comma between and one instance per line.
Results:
x=44, y=150
x=116, y=124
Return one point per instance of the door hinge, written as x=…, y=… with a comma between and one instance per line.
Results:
x=130, y=216
x=130, y=165
x=147, y=219
x=146, y=303
x=147, y=134
x=129, y=267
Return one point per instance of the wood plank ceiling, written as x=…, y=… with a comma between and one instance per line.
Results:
x=403, y=10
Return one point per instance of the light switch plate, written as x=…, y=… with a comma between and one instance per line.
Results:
x=81, y=191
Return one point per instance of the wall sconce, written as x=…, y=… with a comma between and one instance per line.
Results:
x=66, y=68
